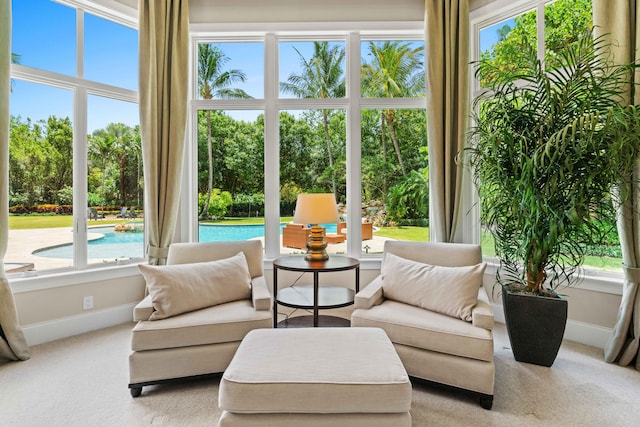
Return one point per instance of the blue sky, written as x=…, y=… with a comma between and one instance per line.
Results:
x=47, y=40
x=489, y=35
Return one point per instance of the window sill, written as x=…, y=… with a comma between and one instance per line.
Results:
x=609, y=283
x=594, y=281
x=34, y=281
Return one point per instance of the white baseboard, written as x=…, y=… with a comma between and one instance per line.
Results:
x=586, y=333
x=39, y=333
x=583, y=333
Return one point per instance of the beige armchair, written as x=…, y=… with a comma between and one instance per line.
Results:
x=436, y=347
x=202, y=341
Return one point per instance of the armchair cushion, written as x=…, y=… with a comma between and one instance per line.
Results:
x=452, y=291
x=427, y=330
x=232, y=322
x=180, y=288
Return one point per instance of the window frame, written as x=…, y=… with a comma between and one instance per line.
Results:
x=353, y=104
x=479, y=19
x=80, y=89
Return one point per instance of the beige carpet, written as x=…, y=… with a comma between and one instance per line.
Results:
x=82, y=381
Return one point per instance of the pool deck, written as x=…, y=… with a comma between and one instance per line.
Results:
x=22, y=244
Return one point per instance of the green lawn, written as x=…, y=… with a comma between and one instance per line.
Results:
x=415, y=234
x=24, y=222
x=590, y=262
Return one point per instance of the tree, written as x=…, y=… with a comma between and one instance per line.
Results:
x=59, y=140
x=395, y=70
x=27, y=162
x=564, y=21
x=123, y=147
x=215, y=82
x=117, y=146
x=380, y=173
x=295, y=151
x=101, y=151
x=322, y=76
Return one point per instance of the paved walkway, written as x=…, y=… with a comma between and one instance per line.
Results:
x=22, y=244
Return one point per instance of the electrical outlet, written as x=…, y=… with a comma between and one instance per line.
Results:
x=87, y=303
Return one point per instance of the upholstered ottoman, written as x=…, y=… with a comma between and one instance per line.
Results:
x=311, y=377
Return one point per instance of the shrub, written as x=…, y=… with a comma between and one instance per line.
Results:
x=218, y=203
x=19, y=209
x=46, y=208
x=408, y=201
x=65, y=209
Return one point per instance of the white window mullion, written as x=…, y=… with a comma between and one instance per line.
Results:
x=80, y=233
x=187, y=230
x=271, y=149
x=354, y=151
x=80, y=153
x=80, y=43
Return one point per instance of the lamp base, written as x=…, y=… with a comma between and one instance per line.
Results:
x=316, y=245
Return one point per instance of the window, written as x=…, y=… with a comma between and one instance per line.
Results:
x=502, y=43
x=550, y=26
x=313, y=117
x=75, y=172
x=394, y=161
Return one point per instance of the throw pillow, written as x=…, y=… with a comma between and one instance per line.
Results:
x=180, y=288
x=447, y=290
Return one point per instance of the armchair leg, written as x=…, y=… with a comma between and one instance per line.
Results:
x=135, y=391
x=486, y=401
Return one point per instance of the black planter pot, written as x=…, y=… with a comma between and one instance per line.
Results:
x=535, y=325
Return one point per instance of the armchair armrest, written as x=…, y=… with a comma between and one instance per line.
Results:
x=142, y=311
x=371, y=295
x=260, y=294
x=482, y=313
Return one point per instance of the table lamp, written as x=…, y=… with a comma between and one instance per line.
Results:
x=315, y=209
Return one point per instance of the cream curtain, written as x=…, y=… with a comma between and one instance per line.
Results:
x=618, y=21
x=447, y=62
x=164, y=47
x=13, y=346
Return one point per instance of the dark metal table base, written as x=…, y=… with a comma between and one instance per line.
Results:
x=307, y=321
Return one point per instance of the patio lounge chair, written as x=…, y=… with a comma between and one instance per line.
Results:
x=124, y=213
x=367, y=229
x=92, y=213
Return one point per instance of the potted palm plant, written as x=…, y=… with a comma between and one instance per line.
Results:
x=546, y=149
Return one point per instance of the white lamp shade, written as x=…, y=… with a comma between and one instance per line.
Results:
x=317, y=208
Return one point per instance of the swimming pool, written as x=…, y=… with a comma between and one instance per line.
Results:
x=112, y=245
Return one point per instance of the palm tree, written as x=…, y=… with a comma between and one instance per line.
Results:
x=123, y=147
x=322, y=77
x=395, y=71
x=101, y=150
x=215, y=82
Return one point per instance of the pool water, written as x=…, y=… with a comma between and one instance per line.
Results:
x=123, y=245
